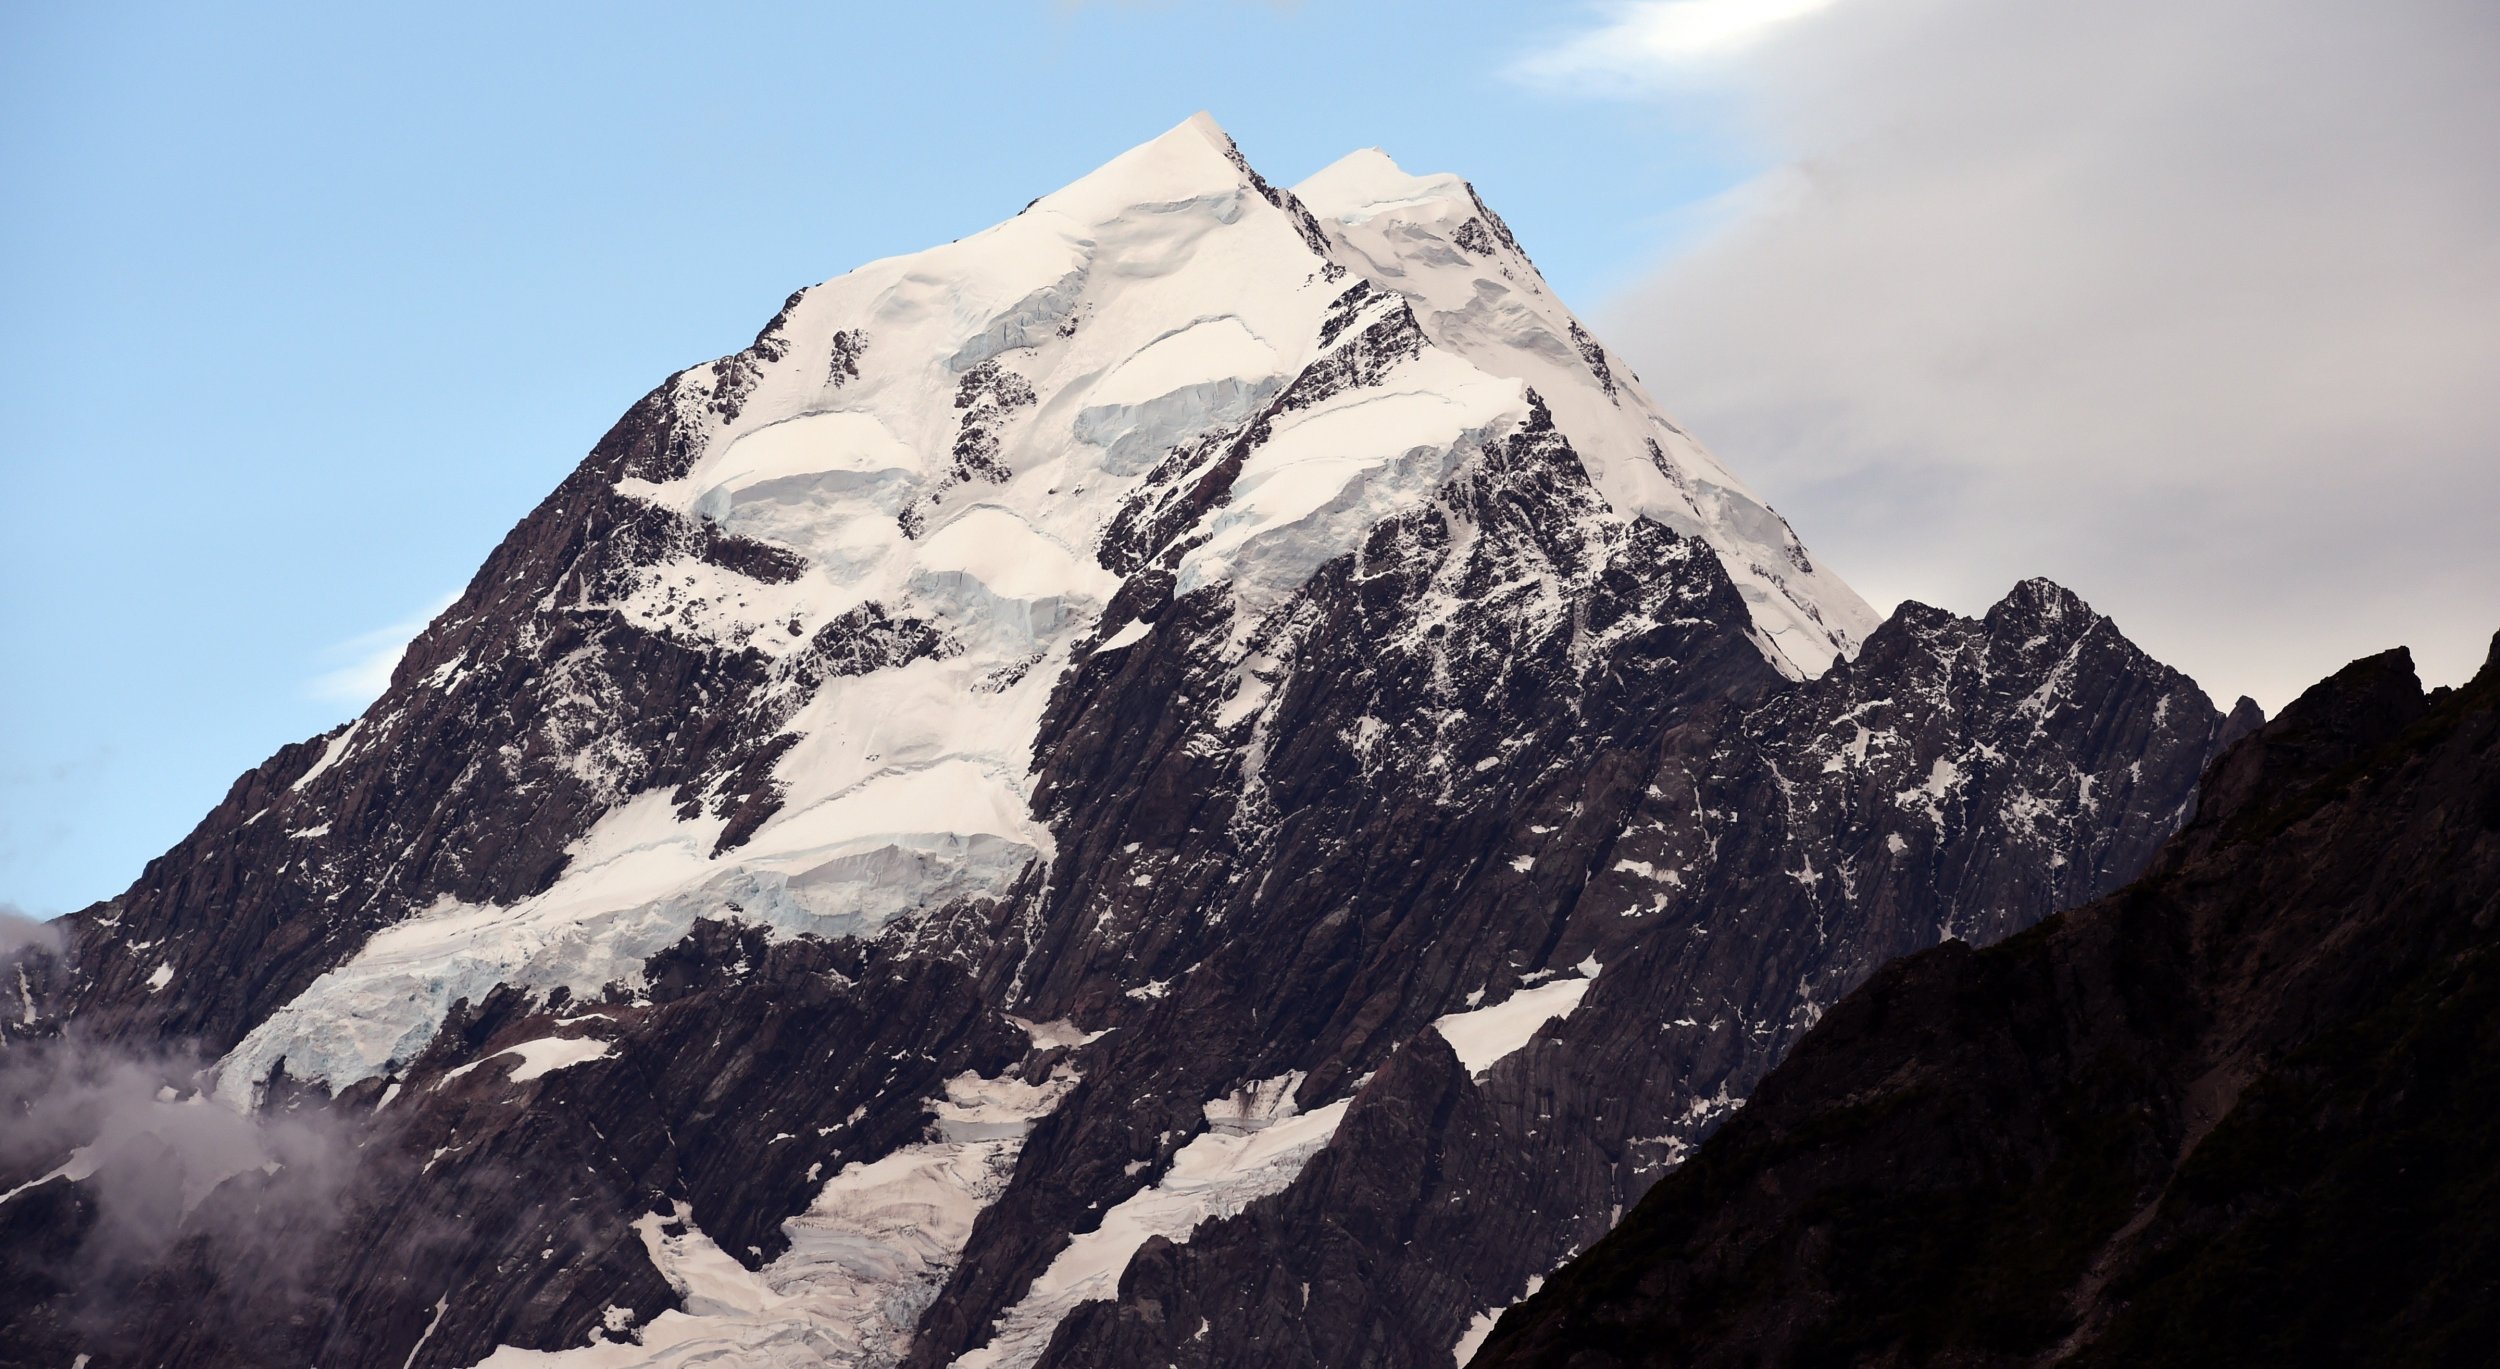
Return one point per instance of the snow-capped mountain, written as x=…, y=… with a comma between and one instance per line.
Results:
x=1197, y=777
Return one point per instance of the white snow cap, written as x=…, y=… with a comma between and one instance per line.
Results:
x=945, y=438
x=1167, y=295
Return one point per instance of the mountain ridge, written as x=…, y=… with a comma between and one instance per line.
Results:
x=2231, y=1112
x=1023, y=784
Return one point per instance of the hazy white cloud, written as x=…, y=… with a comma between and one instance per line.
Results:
x=360, y=667
x=1632, y=43
x=22, y=931
x=165, y=1163
x=2195, y=308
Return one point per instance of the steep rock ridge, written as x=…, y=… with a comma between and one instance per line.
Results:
x=513, y=720
x=1762, y=862
x=2239, y=1111
x=1473, y=290
x=1026, y=799
x=1350, y=798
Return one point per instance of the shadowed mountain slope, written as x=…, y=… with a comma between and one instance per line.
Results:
x=2244, y=1111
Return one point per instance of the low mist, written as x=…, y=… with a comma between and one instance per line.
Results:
x=21, y=931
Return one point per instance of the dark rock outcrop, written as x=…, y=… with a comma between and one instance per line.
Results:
x=1739, y=869
x=2239, y=1112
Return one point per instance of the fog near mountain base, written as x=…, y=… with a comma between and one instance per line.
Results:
x=21, y=931
x=162, y=1161
x=169, y=1170
x=2193, y=308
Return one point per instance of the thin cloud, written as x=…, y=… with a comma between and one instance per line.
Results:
x=173, y=1176
x=363, y=663
x=2194, y=308
x=22, y=931
x=1637, y=43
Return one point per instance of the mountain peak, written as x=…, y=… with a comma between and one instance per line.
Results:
x=1204, y=125
x=2043, y=601
x=1367, y=181
x=1192, y=159
x=965, y=691
x=1474, y=291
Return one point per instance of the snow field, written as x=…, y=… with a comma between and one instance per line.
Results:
x=1157, y=300
x=865, y=1258
x=1484, y=1036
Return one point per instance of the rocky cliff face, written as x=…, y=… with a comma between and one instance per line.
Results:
x=2239, y=1112
x=1199, y=778
x=1703, y=897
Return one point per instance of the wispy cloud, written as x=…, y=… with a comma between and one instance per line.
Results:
x=2194, y=307
x=359, y=669
x=22, y=931
x=1637, y=43
x=172, y=1175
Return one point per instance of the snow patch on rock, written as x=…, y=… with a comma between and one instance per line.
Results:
x=865, y=1259
x=1480, y=1328
x=1256, y=1143
x=538, y=1058
x=1485, y=1036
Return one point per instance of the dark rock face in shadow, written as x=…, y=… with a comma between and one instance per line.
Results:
x=2239, y=1112
x=1747, y=863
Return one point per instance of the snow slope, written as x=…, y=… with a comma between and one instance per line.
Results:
x=1159, y=299
x=1255, y=1144
x=1475, y=292
x=863, y=1261
x=949, y=442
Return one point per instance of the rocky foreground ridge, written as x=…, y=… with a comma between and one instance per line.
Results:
x=1198, y=778
x=2241, y=1111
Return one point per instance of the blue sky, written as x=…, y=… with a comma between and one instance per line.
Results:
x=2192, y=308
x=308, y=304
